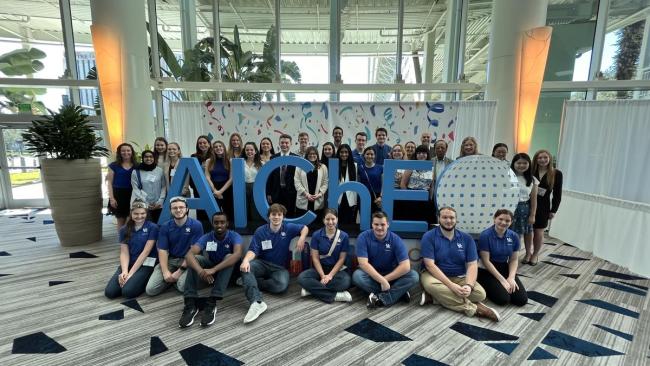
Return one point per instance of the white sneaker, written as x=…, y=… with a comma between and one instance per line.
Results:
x=304, y=293
x=239, y=282
x=343, y=296
x=256, y=309
x=425, y=298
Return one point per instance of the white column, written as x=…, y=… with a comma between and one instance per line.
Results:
x=127, y=19
x=510, y=18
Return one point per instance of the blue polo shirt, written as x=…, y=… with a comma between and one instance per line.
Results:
x=320, y=242
x=138, y=239
x=450, y=256
x=274, y=246
x=178, y=239
x=500, y=249
x=216, y=250
x=384, y=255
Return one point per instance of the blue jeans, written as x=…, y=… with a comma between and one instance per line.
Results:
x=397, y=289
x=133, y=288
x=310, y=281
x=264, y=276
x=219, y=285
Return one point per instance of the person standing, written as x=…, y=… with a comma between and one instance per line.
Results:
x=149, y=184
x=118, y=183
x=381, y=149
x=360, y=140
x=280, y=187
x=337, y=135
x=550, y=184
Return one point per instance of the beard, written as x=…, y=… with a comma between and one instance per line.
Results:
x=448, y=228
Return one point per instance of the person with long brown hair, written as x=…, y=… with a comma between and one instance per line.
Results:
x=219, y=176
x=235, y=146
x=347, y=202
x=202, y=153
x=137, y=255
x=550, y=184
x=174, y=155
x=160, y=151
x=311, y=186
x=253, y=165
x=118, y=183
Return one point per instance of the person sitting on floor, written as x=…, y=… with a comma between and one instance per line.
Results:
x=137, y=237
x=327, y=280
x=264, y=266
x=498, y=248
x=450, y=261
x=174, y=240
x=384, y=267
x=211, y=259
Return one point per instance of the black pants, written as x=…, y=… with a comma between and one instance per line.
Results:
x=496, y=292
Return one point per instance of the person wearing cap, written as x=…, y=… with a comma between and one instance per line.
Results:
x=174, y=240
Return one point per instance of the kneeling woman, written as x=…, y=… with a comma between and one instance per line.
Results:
x=329, y=246
x=498, y=248
x=137, y=259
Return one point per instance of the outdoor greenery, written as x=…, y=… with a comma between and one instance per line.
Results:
x=22, y=62
x=64, y=135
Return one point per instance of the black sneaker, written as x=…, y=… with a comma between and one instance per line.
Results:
x=373, y=301
x=189, y=312
x=406, y=298
x=209, y=313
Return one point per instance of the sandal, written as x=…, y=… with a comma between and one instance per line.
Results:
x=526, y=260
x=533, y=262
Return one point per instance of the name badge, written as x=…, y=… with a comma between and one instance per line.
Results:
x=267, y=245
x=172, y=172
x=541, y=191
x=211, y=246
x=149, y=262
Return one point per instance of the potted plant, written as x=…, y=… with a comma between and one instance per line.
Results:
x=67, y=146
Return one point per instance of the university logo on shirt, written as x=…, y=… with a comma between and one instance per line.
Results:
x=187, y=229
x=283, y=234
x=509, y=240
x=145, y=230
x=388, y=246
x=460, y=246
x=227, y=246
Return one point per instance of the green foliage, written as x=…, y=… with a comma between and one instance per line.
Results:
x=22, y=62
x=64, y=135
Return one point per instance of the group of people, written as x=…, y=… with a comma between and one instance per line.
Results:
x=177, y=253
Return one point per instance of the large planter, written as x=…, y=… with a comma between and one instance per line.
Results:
x=73, y=188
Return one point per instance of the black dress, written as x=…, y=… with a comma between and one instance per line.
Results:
x=546, y=205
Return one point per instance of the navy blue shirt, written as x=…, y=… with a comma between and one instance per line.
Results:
x=274, y=246
x=384, y=255
x=370, y=177
x=450, y=256
x=121, y=176
x=320, y=242
x=357, y=156
x=178, y=239
x=216, y=250
x=500, y=249
x=138, y=239
x=381, y=153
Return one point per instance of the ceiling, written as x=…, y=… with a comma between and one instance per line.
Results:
x=368, y=27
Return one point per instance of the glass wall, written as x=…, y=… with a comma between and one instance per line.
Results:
x=477, y=40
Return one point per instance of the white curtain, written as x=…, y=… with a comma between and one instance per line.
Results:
x=186, y=124
x=604, y=148
x=476, y=119
x=612, y=229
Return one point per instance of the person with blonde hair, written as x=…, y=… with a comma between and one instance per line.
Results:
x=550, y=184
x=468, y=147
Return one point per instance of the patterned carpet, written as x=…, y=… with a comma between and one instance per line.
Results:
x=582, y=311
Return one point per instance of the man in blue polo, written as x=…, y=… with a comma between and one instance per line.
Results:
x=211, y=259
x=360, y=140
x=382, y=150
x=264, y=266
x=174, y=240
x=450, y=261
x=384, y=266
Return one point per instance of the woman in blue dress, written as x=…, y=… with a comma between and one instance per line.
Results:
x=137, y=255
x=370, y=174
x=118, y=183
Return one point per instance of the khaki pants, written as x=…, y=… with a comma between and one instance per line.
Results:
x=447, y=298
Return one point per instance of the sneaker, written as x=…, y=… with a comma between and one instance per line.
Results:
x=189, y=312
x=209, y=313
x=256, y=309
x=239, y=282
x=483, y=311
x=343, y=296
x=304, y=293
x=406, y=298
x=425, y=298
x=373, y=301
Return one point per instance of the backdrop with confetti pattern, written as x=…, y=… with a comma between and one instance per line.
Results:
x=404, y=120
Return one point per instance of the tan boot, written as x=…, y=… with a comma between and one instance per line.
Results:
x=483, y=311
